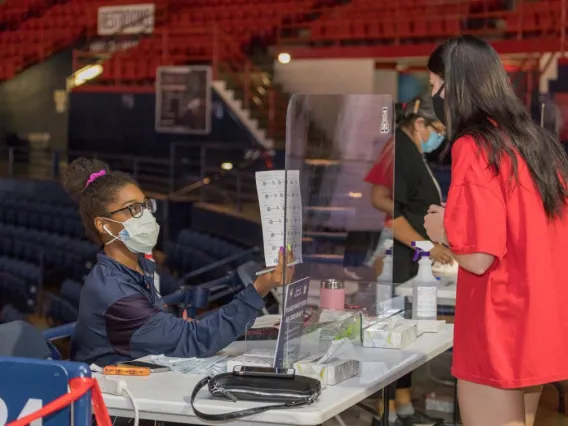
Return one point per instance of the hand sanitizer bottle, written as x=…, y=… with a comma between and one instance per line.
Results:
x=384, y=281
x=424, y=285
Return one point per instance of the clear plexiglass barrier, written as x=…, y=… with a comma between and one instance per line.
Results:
x=338, y=147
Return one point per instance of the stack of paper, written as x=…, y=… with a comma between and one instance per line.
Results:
x=199, y=366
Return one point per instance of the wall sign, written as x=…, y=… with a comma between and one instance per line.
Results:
x=126, y=19
x=183, y=100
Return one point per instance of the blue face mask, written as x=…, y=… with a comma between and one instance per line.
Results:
x=433, y=142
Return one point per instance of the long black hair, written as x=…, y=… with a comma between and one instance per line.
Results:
x=436, y=62
x=480, y=101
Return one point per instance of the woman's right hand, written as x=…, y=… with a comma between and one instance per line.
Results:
x=266, y=282
x=441, y=254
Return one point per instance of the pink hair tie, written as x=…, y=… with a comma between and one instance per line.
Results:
x=94, y=177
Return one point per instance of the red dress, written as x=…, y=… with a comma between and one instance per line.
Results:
x=511, y=327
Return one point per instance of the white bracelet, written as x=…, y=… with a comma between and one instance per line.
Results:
x=444, y=238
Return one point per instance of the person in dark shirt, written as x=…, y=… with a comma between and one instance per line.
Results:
x=414, y=189
x=120, y=315
x=404, y=188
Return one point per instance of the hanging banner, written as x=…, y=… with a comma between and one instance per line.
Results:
x=183, y=100
x=126, y=19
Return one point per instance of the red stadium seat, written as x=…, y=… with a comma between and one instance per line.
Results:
x=39, y=27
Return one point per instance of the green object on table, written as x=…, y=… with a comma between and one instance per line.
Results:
x=350, y=330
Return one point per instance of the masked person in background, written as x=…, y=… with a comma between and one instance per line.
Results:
x=120, y=315
x=506, y=223
x=406, y=200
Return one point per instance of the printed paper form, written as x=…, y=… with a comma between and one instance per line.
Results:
x=274, y=206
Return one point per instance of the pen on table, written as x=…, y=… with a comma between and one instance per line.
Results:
x=265, y=271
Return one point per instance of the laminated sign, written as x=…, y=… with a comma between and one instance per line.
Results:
x=291, y=324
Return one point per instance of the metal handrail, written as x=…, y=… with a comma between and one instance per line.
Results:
x=219, y=263
x=20, y=160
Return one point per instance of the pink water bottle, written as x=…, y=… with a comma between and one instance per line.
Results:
x=332, y=294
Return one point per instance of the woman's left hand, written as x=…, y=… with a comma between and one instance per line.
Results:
x=265, y=282
x=434, y=222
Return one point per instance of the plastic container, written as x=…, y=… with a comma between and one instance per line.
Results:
x=424, y=285
x=332, y=294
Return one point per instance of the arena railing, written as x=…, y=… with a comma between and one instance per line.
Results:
x=190, y=172
x=250, y=83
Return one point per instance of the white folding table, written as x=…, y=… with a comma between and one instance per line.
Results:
x=165, y=397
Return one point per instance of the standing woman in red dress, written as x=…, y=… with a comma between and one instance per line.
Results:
x=506, y=223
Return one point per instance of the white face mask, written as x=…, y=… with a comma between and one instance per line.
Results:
x=139, y=235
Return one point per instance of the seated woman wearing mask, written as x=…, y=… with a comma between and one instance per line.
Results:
x=119, y=315
x=415, y=188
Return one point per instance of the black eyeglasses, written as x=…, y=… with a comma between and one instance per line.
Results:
x=137, y=209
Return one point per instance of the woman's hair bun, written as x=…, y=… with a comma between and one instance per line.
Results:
x=77, y=174
x=419, y=107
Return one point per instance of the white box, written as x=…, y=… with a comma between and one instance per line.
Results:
x=390, y=336
x=330, y=373
x=430, y=326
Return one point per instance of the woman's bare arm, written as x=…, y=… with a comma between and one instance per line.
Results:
x=381, y=199
x=476, y=263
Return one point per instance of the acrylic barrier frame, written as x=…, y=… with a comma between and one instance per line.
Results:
x=309, y=335
x=338, y=147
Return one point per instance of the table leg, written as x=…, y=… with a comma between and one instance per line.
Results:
x=387, y=391
x=456, y=404
x=339, y=420
x=561, y=395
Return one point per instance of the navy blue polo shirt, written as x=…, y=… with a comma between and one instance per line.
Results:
x=120, y=319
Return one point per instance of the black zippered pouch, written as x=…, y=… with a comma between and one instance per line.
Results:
x=282, y=392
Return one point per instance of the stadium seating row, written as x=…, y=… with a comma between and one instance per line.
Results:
x=55, y=219
x=195, y=250
x=183, y=260
x=9, y=313
x=213, y=246
x=20, y=283
x=370, y=28
x=41, y=193
x=14, y=11
x=24, y=270
x=63, y=308
x=49, y=29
